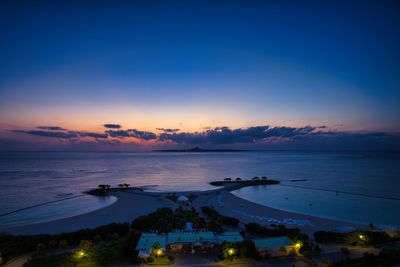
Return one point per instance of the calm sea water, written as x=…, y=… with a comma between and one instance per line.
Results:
x=30, y=178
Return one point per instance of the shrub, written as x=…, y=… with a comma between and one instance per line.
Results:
x=63, y=244
x=52, y=244
x=229, y=221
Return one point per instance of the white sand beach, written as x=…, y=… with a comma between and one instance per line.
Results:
x=133, y=204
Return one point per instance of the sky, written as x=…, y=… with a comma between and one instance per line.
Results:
x=178, y=74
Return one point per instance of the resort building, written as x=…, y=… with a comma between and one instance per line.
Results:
x=147, y=242
x=229, y=237
x=274, y=246
x=178, y=239
x=195, y=239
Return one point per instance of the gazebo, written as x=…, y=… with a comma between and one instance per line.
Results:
x=182, y=200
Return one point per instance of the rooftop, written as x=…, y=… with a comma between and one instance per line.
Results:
x=273, y=242
x=147, y=241
x=191, y=237
x=230, y=237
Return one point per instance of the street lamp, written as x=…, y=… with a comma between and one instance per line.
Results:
x=158, y=252
x=231, y=251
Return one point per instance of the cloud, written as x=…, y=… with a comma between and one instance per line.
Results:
x=65, y=135
x=112, y=126
x=144, y=135
x=257, y=137
x=168, y=130
x=225, y=135
x=51, y=128
x=94, y=135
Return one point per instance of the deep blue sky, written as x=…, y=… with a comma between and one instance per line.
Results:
x=193, y=64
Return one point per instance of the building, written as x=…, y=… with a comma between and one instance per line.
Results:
x=274, y=246
x=183, y=200
x=203, y=240
x=195, y=239
x=229, y=237
x=147, y=242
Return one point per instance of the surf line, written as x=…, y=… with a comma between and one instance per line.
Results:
x=341, y=192
x=38, y=205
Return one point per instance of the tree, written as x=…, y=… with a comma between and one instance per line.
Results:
x=227, y=179
x=52, y=244
x=238, y=179
x=115, y=236
x=101, y=186
x=1, y=259
x=255, y=178
x=264, y=177
x=41, y=250
x=63, y=244
x=97, y=239
x=157, y=249
x=86, y=245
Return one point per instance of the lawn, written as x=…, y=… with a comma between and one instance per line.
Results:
x=161, y=261
x=237, y=260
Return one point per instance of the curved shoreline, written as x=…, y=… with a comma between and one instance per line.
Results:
x=59, y=217
x=131, y=204
x=377, y=226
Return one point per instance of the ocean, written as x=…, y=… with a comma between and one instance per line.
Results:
x=353, y=186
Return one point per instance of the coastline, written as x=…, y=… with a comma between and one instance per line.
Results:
x=130, y=205
x=376, y=226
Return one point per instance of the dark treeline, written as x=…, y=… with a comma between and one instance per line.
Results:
x=387, y=257
x=355, y=238
x=215, y=216
x=11, y=246
x=279, y=230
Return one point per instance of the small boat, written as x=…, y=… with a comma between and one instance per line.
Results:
x=298, y=180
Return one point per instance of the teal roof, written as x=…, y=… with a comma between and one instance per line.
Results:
x=191, y=237
x=147, y=241
x=230, y=237
x=273, y=242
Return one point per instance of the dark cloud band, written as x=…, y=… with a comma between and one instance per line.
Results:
x=112, y=126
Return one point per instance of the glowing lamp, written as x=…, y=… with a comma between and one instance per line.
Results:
x=231, y=251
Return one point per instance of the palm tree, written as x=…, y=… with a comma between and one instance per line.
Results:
x=157, y=249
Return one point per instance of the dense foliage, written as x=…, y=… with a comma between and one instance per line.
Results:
x=244, y=249
x=11, y=246
x=165, y=220
x=89, y=254
x=387, y=258
x=215, y=216
x=281, y=230
x=355, y=238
